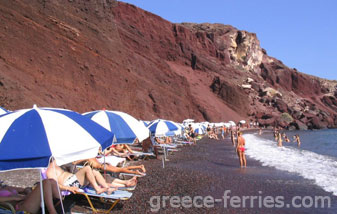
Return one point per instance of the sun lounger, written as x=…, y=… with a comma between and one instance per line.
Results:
x=165, y=147
x=113, y=198
x=143, y=154
x=88, y=192
x=112, y=160
x=130, y=174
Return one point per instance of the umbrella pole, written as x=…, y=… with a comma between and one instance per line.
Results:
x=104, y=169
x=41, y=190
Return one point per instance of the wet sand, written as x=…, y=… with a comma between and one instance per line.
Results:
x=209, y=169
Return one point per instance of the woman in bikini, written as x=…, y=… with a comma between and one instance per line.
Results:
x=240, y=149
x=73, y=182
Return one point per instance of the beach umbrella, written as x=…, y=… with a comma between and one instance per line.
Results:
x=180, y=129
x=3, y=111
x=161, y=128
x=242, y=121
x=232, y=123
x=146, y=123
x=125, y=127
x=227, y=125
x=30, y=137
x=200, y=131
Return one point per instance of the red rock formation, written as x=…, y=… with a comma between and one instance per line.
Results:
x=86, y=55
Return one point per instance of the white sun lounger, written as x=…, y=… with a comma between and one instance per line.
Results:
x=112, y=160
x=114, y=197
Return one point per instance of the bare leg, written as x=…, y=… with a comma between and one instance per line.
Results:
x=33, y=200
x=240, y=158
x=136, y=167
x=244, y=159
x=86, y=175
x=124, y=170
x=130, y=182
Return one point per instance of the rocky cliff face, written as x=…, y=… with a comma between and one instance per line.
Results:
x=86, y=55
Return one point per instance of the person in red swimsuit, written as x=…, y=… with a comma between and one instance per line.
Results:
x=240, y=149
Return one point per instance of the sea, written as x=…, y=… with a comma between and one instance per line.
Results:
x=315, y=159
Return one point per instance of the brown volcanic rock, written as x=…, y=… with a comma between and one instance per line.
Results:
x=86, y=55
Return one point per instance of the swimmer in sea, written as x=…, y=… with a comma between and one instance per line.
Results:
x=279, y=140
x=240, y=149
x=297, y=138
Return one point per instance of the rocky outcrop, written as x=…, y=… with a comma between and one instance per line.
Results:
x=87, y=55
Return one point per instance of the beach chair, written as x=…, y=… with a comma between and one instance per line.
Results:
x=112, y=199
x=143, y=155
x=112, y=160
x=165, y=147
x=89, y=193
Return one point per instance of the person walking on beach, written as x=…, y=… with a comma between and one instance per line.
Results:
x=240, y=149
x=232, y=138
x=223, y=130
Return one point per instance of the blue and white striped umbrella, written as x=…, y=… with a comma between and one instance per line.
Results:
x=162, y=128
x=125, y=127
x=3, y=111
x=29, y=137
x=200, y=131
x=146, y=123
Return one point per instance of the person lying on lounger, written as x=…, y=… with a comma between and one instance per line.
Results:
x=167, y=140
x=73, y=182
x=32, y=201
x=120, y=150
x=94, y=163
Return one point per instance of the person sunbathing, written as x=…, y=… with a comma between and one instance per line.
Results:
x=94, y=163
x=119, y=150
x=168, y=140
x=83, y=177
x=212, y=135
x=32, y=201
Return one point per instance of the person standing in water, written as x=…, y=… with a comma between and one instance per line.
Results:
x=279, y=139
x=297, y=138
x=240, y=149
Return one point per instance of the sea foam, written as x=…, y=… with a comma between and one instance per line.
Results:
x=321, y=169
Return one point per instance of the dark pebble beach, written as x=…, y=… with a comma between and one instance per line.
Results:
x=195, y=179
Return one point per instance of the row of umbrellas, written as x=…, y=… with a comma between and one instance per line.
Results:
x=30, y=137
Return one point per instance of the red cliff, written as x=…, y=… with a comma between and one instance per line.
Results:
x=86, y=55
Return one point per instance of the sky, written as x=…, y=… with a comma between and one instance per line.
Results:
x=300, y=33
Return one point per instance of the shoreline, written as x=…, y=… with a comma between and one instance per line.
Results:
x=211, y=168
x=208, y=169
